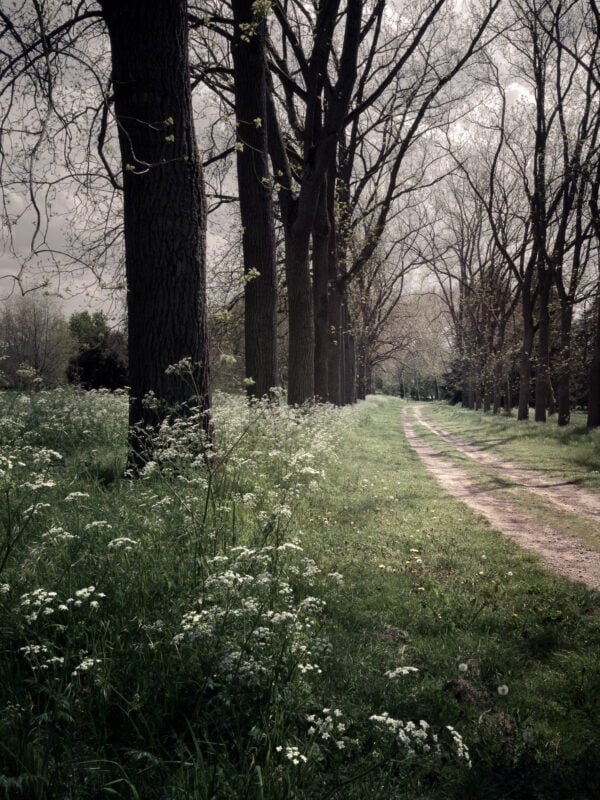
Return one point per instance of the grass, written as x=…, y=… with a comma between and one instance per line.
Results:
x=572, y=451
x=474, y=599
x=426, y=585
x=542, y=513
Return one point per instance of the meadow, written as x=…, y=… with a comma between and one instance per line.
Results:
x=301, y=614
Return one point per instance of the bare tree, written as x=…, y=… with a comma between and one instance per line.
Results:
x=160, y=169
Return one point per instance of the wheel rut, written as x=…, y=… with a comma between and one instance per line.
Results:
x=564, y=555
x=560, y=493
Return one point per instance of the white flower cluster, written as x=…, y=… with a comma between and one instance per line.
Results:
x=85, y=665
x=293, y=754
x=248, y=614
x=462, y=750
x=37, y=654
x=123, y=543
x=329, y=727
x=416, y=738
x=58, y=534
x=392, y=674
x=42, y=602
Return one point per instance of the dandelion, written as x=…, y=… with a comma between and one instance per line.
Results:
x=463, y=667
x=502, y=690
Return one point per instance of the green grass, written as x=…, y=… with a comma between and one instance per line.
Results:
x=572, y=451
x=426, y=585
x=536, y=508
x=535, y=633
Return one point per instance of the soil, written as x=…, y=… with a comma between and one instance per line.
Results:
x=563, y=554
x=561, y=493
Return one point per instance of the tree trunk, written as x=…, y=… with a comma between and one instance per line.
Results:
x=164, y=207
x=564, y=367
x=301, y=341
x=334, y=367
x=525, y=358
x=542, y=374
x=361, y=372
x=368, y=379
x=349, y=365
x=320, y=254
x=256, y=203
x=593, y=419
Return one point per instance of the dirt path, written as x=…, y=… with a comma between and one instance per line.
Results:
x=559, y=492
x=562, y=554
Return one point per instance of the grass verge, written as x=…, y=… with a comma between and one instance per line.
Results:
x=199, y=653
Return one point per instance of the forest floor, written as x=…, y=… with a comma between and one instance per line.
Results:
x=561, y=551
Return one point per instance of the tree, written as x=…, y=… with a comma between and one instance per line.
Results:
x=35, y=343
x=161, y=174
x=255, y=195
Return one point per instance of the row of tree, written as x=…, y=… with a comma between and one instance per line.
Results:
x=515, y=246
x=351, y=125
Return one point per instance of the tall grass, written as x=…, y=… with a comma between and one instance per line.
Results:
x=165, y=637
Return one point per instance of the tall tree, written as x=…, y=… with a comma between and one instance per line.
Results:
x=255, y=196
x=163, y=198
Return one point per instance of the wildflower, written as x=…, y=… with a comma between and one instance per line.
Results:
x=71, y=498
x=392, y=674
x=85, y=665
x=463, y=667
x=123, y=542
x=503, y=690
x=293, y=754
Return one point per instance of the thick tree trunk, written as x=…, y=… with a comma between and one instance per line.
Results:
x=349, y=364
x=542, y=374
x=164, y=206
x=320, y=254
x=525, y=357
x=361, y=372
x=368, y=379
x=301, y=340
x=564, y=369
x=256, y=204
x=593, y=419
x=334, y=369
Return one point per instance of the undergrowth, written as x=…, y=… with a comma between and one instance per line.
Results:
x=168, y=636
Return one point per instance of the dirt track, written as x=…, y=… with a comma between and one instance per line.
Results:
x=563, y=554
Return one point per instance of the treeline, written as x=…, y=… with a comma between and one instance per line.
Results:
x=358, y=132
x=515, y=244
x=39, y=348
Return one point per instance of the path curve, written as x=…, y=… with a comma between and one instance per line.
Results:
x=557, y=491
x=562, y=554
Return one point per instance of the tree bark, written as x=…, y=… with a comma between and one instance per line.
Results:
x=256, y=203
x=164, y=207
x=321, y=252
x=564, y=367
x=542, y=374
x=593, y=419
x=525, y=355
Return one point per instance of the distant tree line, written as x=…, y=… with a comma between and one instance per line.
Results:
x=515, y=244
x=39, y=348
